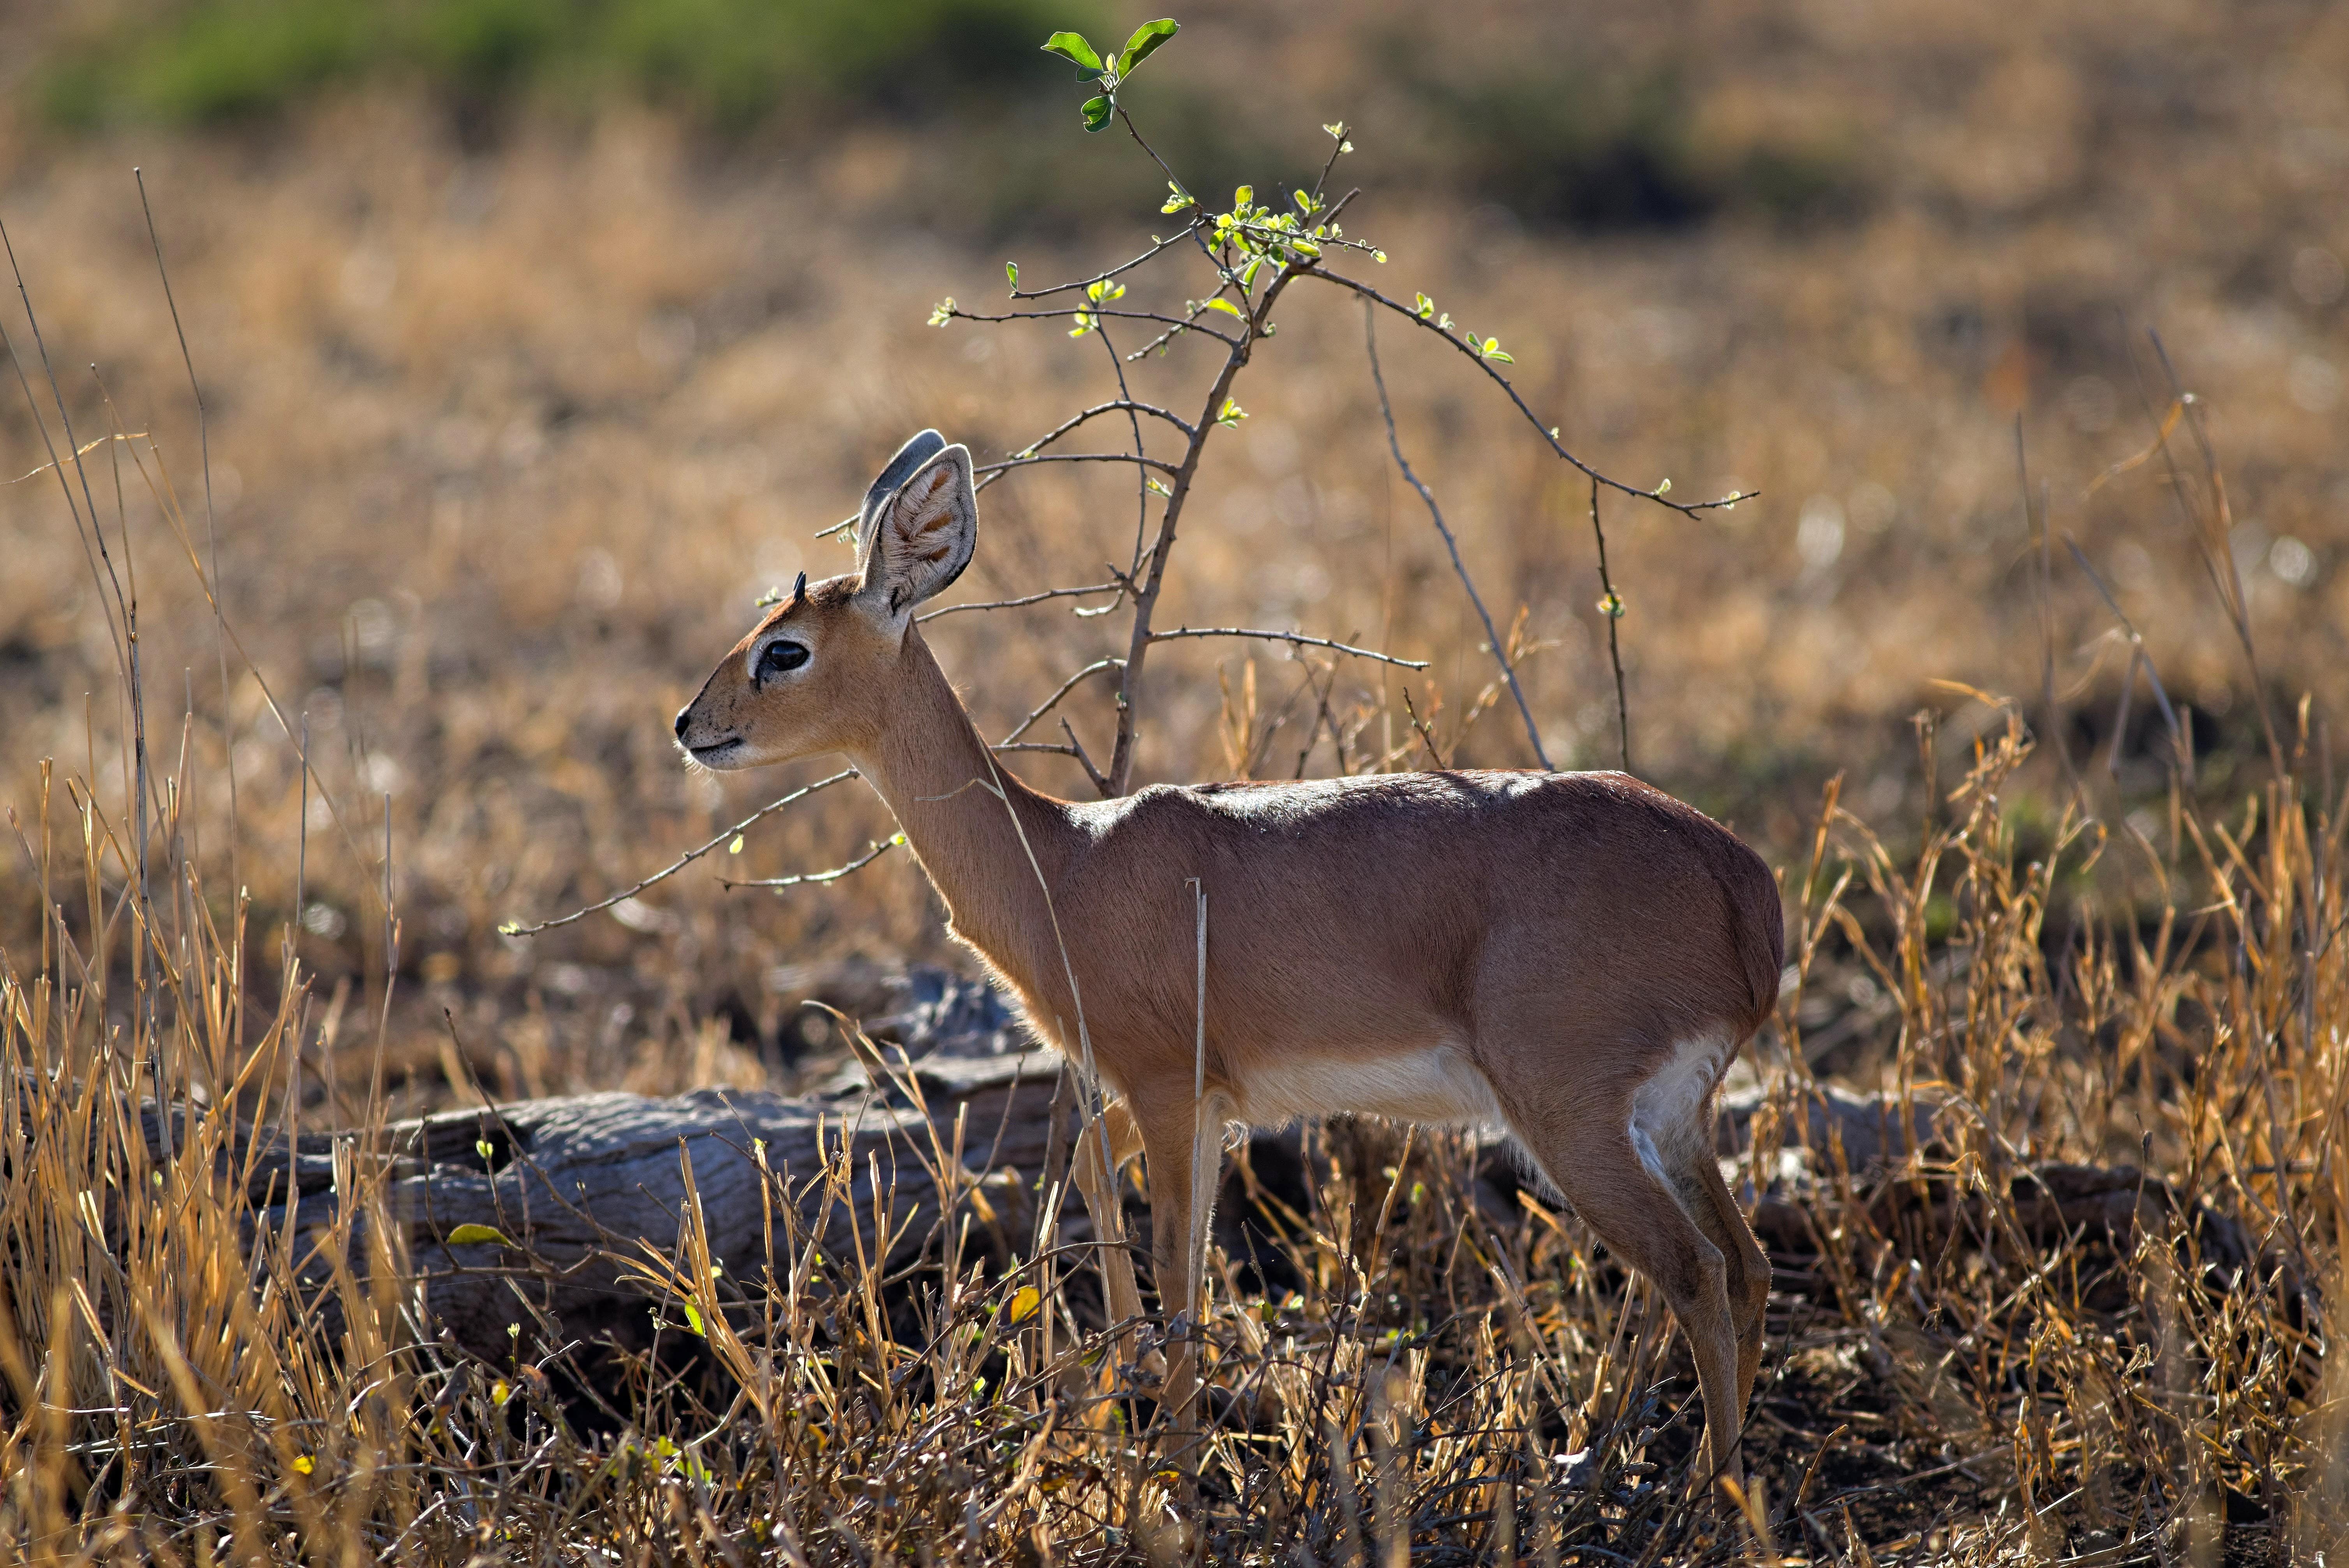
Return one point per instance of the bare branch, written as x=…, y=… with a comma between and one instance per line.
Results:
x=1297, y=638
x=1170, y=335
x=1066, y=688
x=1092, y=310
x=1120, y=405
x=988, y=471
x=1687, y=509
x=1613, y=608
x=1103, y=277
x=1492, y=632
x=879, y=847
x=1141, y=476
x=1030, y=599
x=1076, y=748
x=515, y=928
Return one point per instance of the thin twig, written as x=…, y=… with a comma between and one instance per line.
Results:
x=1066, y=688
x=1076, y=748
x=1394, y=445
x=1426, y=736
x=1087, y=310
x=1141, y=447
x=879, y=847
x=1085, y=591
x=1687, y=509
x=988, y=469
x=515, y=928
x=1123, y=403
x=1613, y=607
x=1299, y=638
x=1104, y=277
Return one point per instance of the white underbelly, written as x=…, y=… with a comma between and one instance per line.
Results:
x=1437, y=1085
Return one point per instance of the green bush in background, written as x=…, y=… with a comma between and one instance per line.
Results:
x=732, y=62
x=1591, y=144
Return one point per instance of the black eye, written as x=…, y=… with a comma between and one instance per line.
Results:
x=780, y=656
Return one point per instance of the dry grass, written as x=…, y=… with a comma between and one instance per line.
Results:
x=1961, y=1371
x=504, y=444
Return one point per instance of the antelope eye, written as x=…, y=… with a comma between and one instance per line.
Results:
x=779, y=656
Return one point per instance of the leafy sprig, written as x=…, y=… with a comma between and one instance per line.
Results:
x=1109, y=75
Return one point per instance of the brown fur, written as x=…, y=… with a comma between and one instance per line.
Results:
x=1556, y=936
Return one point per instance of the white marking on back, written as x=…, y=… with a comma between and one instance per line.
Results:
x=1667, y=1110
x=1435, y=1085
x=1273, y=807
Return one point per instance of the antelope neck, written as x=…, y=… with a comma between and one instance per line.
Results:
x=939, y=777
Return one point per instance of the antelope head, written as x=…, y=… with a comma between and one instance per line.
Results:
x=815, y=676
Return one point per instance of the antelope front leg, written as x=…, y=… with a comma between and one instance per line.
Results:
x=1097, y=1179
x=1183, y=1143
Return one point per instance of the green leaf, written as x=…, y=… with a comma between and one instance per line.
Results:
x=736, y=847
x=1178, y=201
x=1097, y=110
x=510, y=928
x=475, y=1235
x=1242, y=197
x=693, y=1321
x=1011, y=271
x=1423, y=305
x=1144, y=43
x=1231, y=414
x=483, y=1147
x=942, y=312
x=1072, y=47
x=1227, y=307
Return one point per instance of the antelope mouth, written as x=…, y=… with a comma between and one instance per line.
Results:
x=716, y=753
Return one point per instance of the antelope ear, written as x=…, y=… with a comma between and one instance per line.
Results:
x=918, y=538
x=925, y=446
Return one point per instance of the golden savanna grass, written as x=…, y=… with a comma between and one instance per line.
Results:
x=505, y=441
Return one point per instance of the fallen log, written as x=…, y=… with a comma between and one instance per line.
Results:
x=533, y=1210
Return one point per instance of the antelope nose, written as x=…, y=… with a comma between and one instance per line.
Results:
x=683, y=715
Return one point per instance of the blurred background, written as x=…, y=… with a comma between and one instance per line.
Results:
x=537, y=338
